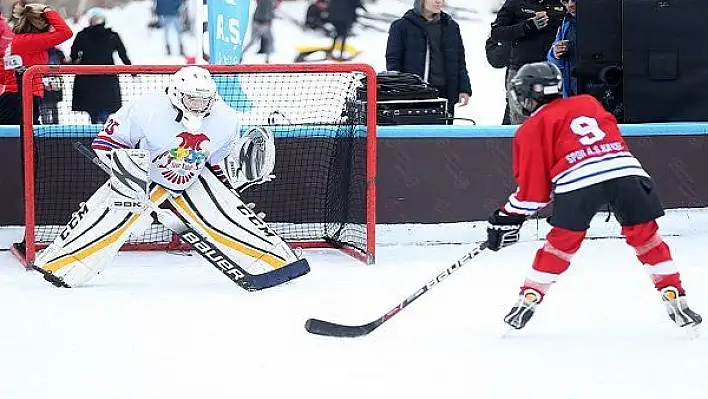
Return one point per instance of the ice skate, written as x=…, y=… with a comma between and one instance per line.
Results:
x=678, y=310
x=521, y=313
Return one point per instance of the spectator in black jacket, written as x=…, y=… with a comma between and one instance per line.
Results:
x=530, y=26
x=98, y=95
x=498, y=55
x=426, y=41
x=342, y=15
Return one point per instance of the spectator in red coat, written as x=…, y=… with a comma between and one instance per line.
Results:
x=5, y=34
x=36, y=28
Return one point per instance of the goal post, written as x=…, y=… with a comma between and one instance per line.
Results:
x=323, y=117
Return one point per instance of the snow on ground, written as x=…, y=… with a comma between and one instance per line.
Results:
x=146, y=46
x=157, y=325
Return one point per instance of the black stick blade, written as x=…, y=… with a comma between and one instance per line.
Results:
x=321, y=327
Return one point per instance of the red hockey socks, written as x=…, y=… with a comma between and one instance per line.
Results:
x=653, y=252
x=553, y=259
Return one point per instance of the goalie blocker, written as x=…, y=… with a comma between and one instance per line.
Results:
x=124, y=206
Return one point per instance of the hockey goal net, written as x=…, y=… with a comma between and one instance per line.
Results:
x=323, y=195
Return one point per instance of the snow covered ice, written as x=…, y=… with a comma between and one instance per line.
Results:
x=157, y=325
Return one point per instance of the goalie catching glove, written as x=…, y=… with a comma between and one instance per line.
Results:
x=251, y=160
x=503, y=229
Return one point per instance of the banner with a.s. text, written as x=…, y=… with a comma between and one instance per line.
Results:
x=227, y=22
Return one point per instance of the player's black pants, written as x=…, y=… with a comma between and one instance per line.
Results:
x=632, y=199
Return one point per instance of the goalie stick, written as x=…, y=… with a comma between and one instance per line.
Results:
x=322, y=327
x=209, y=251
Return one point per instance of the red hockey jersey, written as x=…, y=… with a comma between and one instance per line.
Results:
x=564, y=146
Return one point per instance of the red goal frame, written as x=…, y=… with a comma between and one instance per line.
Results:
x=27, y=132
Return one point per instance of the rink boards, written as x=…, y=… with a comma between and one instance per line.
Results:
x=445, y=174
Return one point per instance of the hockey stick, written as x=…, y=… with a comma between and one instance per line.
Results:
x=210, y=252
x=321, y=327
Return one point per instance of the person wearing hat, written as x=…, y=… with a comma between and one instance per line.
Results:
x=426, y=41
x=98, y=95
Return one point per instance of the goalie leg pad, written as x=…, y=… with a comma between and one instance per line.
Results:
x=91, y=239
x=220, y=215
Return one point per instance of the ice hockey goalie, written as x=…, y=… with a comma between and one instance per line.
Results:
x=179, y=156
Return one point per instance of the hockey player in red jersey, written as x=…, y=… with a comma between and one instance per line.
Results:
x=572, y=149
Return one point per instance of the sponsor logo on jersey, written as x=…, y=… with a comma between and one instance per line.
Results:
x=181, y=163
x=593, y=151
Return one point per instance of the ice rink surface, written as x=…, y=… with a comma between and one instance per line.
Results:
x=156, y=325
x=164, y=326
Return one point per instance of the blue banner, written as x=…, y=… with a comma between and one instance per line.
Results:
x=227, y=22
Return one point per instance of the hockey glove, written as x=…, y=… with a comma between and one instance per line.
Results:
x=503, y=230
x=251, y=161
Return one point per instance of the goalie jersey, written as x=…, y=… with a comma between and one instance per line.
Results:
x=178, y=155
x=564, y=146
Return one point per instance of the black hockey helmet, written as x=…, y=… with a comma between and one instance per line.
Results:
x=536, y=84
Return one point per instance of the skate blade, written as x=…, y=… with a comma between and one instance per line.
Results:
x=693, y=332
x=507, y=330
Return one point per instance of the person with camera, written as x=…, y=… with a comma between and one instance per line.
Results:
x=37, y=28
x=530, y=26
x=563, y=53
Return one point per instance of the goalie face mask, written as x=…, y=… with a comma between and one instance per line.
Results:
x=193, y=92
x=197, y=105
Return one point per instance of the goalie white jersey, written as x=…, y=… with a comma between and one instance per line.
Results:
x=178, y=156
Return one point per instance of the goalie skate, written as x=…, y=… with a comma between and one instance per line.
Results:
x=522, y=312
x=678, y=310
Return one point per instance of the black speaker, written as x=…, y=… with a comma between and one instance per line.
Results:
x=599, y=52
x=664, y=59
x=599, y=34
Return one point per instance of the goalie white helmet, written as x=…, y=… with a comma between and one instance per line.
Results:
x=193, y=92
